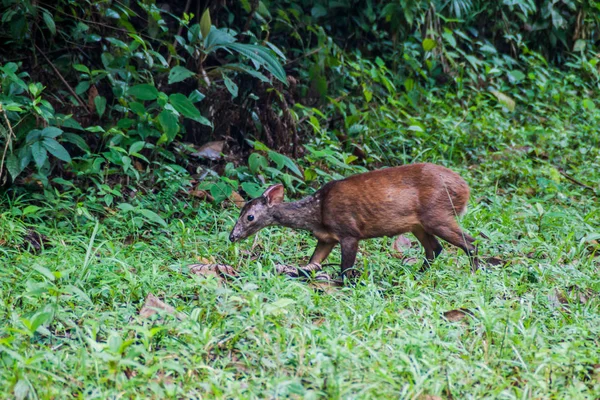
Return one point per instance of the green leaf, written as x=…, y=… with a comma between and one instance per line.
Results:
x=220, y=191
x=428, y=44
x=252, y=189
x=39, y=153
x=505, y=100
x=144, y=91
x=515, y=76
x=178, y=74
x=100, y=102
x=49, y=21
x=153, y=217
x=76, y=140
x=81, y=68
x=82, y=87
x=169, y=123
x=57, y=150
x=13, y=166
x=196, y=96
x=136, y=147
x=217, y=38
x=231, y=86
x=51, y=132
x=588, y=104
x=256, y=162
x=262, y=56
x=205, y=23
x=282, y=161
x=248, y=70
x=137, y=108
x=184, y=105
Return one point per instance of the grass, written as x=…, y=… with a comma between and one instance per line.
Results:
x=70, y=323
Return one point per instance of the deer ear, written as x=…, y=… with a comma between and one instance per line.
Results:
x=274, y=194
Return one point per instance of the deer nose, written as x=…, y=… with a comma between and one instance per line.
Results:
x=232, y=238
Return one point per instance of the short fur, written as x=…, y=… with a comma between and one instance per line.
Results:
x=424, y=199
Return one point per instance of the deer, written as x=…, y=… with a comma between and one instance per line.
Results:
x=423, y=199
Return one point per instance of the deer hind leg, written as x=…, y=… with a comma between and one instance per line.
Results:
x=451, y=233
x=349, y=249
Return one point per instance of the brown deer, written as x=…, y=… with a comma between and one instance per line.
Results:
x=424, y=199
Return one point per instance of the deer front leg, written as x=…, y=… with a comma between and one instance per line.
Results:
x=321, y=252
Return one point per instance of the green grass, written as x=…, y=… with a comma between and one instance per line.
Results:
x=263, y=335
x=69, y=315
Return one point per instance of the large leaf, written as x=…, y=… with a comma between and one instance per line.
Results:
x=282, y=161
x=263, y=56
x=178, y=74
x=185, y=106
x=169, y=123
x=51, y=132
x=144, y=91
x=248, y=70
x=49, y=21
x=100, y=102
x=39, y=154
x=217, y=38
x=152, y=216
x=231, y=86
x=57, y=150
x=77, y=141
x=12, y=164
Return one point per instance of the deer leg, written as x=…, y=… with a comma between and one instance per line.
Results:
x=321, y=252
x=349, y=249
x=451, y=233
x=431, y=245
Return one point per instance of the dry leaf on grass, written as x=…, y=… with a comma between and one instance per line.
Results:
x=220, y=271
x=494, y=261
x=34, y=241
x=295, y=272
x=429, y=397
x=237, y=199
x=201, y=194
x=457, y=315
x=411, y=261
x=400, y=245
x=154, y=305
x=211, y=150
x=572, y=295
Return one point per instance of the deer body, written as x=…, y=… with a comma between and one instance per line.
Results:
x=424, y=199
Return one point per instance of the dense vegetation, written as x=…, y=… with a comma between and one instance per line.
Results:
x=129, y=131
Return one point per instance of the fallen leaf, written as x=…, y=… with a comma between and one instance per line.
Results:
x=211, y=150
x=201, y=194
x=154, y=305
x=92, y=94
x=205, y=260
x=287, y=270
x=294, y=272
x=411, y=260
x=35, y=241
x=236, y=199
x=324, y=283
x=573, y=295
x=220, y=271
x=429, y=397
x=494, y=261
x=319, y=321
x=400, y=244
x=457, y=315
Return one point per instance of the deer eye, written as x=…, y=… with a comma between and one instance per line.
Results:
x=250, y=217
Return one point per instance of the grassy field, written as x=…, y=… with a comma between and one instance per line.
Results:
x=70, y=323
